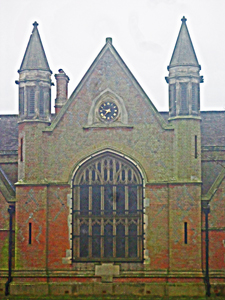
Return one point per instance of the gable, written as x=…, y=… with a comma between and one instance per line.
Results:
x=109, y=72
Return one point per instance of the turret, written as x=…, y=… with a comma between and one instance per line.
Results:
x=184, y=107
x=34, y=82
x=184, y=78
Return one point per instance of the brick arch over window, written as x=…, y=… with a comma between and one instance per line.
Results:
x=107, y=210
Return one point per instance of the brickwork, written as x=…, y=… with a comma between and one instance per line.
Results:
x=31, y=208
x=184, y=207
x=167, y=154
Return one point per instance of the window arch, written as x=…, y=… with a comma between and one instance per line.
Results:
x=107, y=210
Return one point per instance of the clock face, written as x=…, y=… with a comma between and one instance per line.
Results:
x=108, y=111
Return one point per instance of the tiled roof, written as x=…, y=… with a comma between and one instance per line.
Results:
x=212, y=127
x=34, y=57
x=8, y=132
x=184, y=53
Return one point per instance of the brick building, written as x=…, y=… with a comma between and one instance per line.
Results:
x=110, y=195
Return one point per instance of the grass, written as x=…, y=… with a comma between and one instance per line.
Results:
x=107, y=297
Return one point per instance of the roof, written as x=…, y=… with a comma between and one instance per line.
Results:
x=8, y=132
x=112, y=52
x=6, y=187
x=34, y=57
x=212, y=129
x=184, y=53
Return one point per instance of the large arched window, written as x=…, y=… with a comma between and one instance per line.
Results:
x=107, y=210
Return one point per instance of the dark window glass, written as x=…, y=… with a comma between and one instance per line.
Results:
x=107, y=211
x=120, y=200
x=108, y=200
x=96, y=240
x=185, y=233
x=96, y=200
x=84, y=240
x=172, y=99
x=108, y=240
x=195, y=98
x=41, y=102
x=84, y=200
x=132, y=199
x=120, y=240
x=30, y=234
x=184, y=99
x=31, y=100
x=133, y=240
x=21, y=100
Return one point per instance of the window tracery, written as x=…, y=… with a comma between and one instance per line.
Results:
x=107, y=211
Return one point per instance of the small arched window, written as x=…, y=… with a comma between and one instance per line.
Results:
x=107, y=210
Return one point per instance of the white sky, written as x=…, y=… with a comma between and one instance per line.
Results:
x=144, y=33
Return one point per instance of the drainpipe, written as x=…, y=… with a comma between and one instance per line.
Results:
x=206, y=211
x=11, y=211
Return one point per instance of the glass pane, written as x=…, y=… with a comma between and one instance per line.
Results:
x=41, y=102
x=96, y=240
x=120, y=200
x=132, y=240
x=84, y=240
x=120, y=240
x=96, y=200
x=132, y=194
x=108, y=241
x=84, y=200
x=108, y=200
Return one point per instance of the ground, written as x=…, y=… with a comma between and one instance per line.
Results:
x=107, y=298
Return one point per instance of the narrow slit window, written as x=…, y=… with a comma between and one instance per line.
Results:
x=21, y=149
x=30, y=234
x=196, y=148
x=31, y=100
x=185, y=233
x=41, y=103
x=21, y=100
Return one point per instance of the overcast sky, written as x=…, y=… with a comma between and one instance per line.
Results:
x=144, y=33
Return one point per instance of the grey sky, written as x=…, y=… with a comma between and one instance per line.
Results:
x=144, y=33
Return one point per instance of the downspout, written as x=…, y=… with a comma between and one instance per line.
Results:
x=11, y=211
x=206, y=211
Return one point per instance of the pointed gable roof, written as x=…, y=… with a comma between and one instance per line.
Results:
x=108, y=47
x=184, y=53
x=34, y=57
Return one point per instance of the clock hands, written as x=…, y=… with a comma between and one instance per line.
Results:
x=107, y=111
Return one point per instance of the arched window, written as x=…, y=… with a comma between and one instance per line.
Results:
x=107, y=210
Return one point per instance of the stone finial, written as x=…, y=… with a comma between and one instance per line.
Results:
x=184, y=19
x=35, y=24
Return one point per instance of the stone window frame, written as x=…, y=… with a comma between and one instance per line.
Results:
x=107, y=94
x=67, y=259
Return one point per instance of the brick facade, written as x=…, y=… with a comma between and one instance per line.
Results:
x=168, y=150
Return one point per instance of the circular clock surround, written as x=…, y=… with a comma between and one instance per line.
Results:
x=108, y=111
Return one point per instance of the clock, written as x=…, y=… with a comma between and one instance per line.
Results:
x=108, y=111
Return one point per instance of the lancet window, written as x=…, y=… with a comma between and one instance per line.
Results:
x=107, y=210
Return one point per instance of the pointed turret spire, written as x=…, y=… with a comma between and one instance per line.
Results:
x=34, y=57
x=35, y=82
x=184, y=53
x=184, y=77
